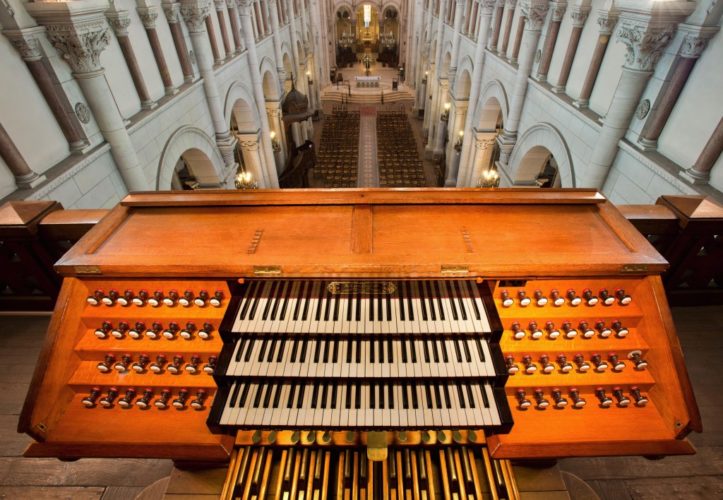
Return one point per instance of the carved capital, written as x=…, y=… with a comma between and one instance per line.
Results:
x=579, y=15
x=535, y=13
x=644, y=43
x=606, y=21
x=248, y=145
x=487, y=7
x=483, y=144
x=245, y=4
x=558, y=10
x=119, y=21
x=27, y=45
x=148, y=17
x=231, y=4
x=220, y=4
x=511, y=4
x=194, y=13
x=693, y=46
x=172, y=11
x=80, y=44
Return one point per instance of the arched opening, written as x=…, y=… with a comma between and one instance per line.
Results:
x=289, y=70
x=538, y=168
x=345, y=39
x=389, y=37
x=193, y=170
x=270, y=86
x=244, y=126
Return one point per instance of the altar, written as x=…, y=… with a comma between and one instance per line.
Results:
x=368, y=81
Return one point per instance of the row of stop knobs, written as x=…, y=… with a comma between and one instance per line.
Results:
x=597, y=363
x=570, y=331
x=143, y=364
x=559, y=401
x=155, y=299
x=588, y=297
x=155, y=331
x=144, y=400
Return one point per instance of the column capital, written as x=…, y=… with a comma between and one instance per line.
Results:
x=80, y=45
x=606, y=20
x=26, y=42
x=220, y=4
x=172, y=10
x=578, y=14
x=245, y=4
x=510, y=3
x=535, y=12
x=558, y=10
x=695, y=39
x=644, y=42
x=487, y=6
x=119, y=20
x=148, y=16
x=194, y=13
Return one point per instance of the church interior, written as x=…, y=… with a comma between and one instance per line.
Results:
x=361, y=249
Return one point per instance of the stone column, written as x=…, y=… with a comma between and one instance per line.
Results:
x=251, y=155
x=507, y=16
x=497, y=25
x=518, y=39
x=280, y=71
x=693, y=45
x=148, y=17
x=436, y=86
x=270, y=176
x=119, y=21
x=211, y=32
x=235, y=25
x=645, y=41
x=535, y=11
x=25, y=177
x=455, y=154
x=172, y=12
x=26, y=43
x=318, y=51
x=458, y=15
x=274, y=114
x=294, y=39
x=578, y=16
x=220, y=9
x=79, y=38
x=558, y=11
x=606, y=21
x=463, y=178
x=481, y=160
x=441, y=131
x=196, y=13
x=700, y=172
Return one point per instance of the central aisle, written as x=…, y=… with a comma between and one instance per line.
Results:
x=368, y=175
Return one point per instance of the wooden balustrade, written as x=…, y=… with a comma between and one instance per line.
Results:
x=686, y=230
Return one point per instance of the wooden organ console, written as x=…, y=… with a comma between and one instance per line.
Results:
x=438, y=329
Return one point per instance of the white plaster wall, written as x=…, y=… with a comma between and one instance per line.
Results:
x=698, y=110
x=25, y=115
x=558, y=55
x=119, y=79
x=578, y=70
x=7, y=181
x=608, y=77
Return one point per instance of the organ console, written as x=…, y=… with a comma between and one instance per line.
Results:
x=305, y=326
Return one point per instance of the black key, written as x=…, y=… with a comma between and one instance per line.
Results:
x=480, y=349
x=389, y=307
x=390, y=393
x=415, y=400
x=284, y=306
x=327, y=350
x=240, y=348
x=307, y=299
x=438, y=396
x=244, y=395
x=294, y=349
x=267, y=397
x=272, y=349
x=327, y=307
x=427, y=358
x=277, y=300
x=247, y=356
x=485, y=401
x=400, y=295
x=358, y=305
x=467, y=353
x=380, y=307
x=282, y=347
x=413, y=349
x=380, y=345
x=234, y=395
x=357, y=402
x=371, y=306
x=262, y=350
x=462, y=309
x=390, y=350
x=372, y=350
x=317, y=351
x=447, y=398
x=428, y=394
x=410, y=302
x=404, y=350
x=435, y=352
x=349, y=307
x=440, y=298
x=460, y=394
x=358, y=350
x=337, y=299
x=271, y=298
x=320, y=302
x=380, y=395
x=445, y=354
x=290, y=401
x=300, y=399
x=349, y=348
x=250, y=291
x=405, y=397
x=422, y=303
x=300, y=299
x=347, y=397
x=304, y=343
x=457, y=351
x=257, y=396
x=257, y=297
x=450, y=300
x=324, y=389
x=277, y=396
x=475, y=307
x=333, y=396
x=470, y=396
x=335, y=357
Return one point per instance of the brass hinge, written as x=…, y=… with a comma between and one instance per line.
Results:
x=634, y=268
x=450, y=270
x=87, y=270
x=267, y=270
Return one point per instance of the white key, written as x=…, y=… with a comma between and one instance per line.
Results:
x=483, y=312
x=410, y=412
x=489, y=367
x=485, y=412
x=281, y=415
x=342, y=414
x=308, y=414
x=457, y=414
x=232, y=364
x=385, y=390
x=421, y=412
x=471, y=413
x=344, y=325
x=421, y=367
x=366, y=403
x=446, y=417
x=461, y=368
x=312, y=325
x=227, y=410
x=399, y=414
x=377, y=365
x=418, y=319
x=398, y=369
x=493, y=407
x=343, y=346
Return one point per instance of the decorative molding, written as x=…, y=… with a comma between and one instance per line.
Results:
x=248, y=145
x=487, y=7
x=606, y=21
x=82, y=112
x=644, y=43
x=220, y=4
x=148, y=17
x=558, y=10
x=27, y=45
x=194, y=13
x=693, y=46
x=172, y=12
x=483, y=144
x=119, y=21
x=643, y=109
x=578, y=14
x=535, y=14
x=80, y=44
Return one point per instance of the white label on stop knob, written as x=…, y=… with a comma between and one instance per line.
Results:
x=589, y=334
x=554, y=334
x=186, y=335
x=153, y=302
x=507, y=303
x=168, y=335
x=168, y=302
x=626, y=300
x=184, y=302
x=519, y=335
x=215, y=302
x=537, y=335
x=571, y=334
x=525, y=302
x=542, y=301
x=92, y=301
x=199, y=302
x=137, y=302
x=559, y=301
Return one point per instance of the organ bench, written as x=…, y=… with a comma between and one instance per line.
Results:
x=530, y=322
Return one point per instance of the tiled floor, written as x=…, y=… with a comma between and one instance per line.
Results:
x=699, y=476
